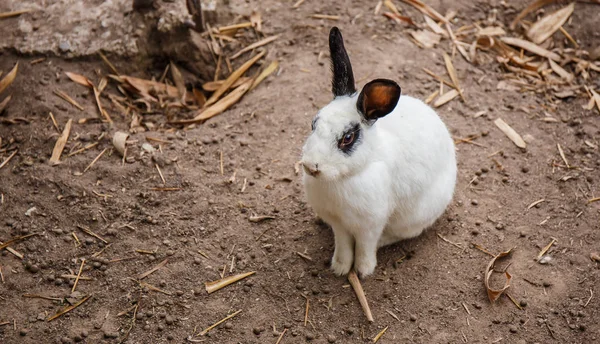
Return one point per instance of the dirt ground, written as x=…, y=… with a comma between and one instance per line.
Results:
x=436, y=294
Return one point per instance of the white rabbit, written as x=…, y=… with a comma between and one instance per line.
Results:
x=378, y=168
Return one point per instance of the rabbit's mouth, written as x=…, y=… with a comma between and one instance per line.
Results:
x=311, y=169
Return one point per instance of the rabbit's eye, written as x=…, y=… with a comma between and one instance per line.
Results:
x=348, y=139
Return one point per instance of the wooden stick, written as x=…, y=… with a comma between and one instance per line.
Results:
x=306, y=312
x=213, y=286
x=154, y=269
x=94, y=161
x=232, y=78
x=14, y=13
x=88, y=231
x=360, y=294
x=60, y=143
x=11, y=241
x=281, y=336
x=110, y=65
x=219, y=322
x=8, y=159
x=160, y=174
x=78, y=275
x=258, y=44
x=68, y=309
x=68, y=99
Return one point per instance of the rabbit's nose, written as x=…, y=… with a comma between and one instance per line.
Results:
x=311, y=169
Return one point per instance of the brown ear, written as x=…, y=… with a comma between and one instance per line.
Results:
x=378, y=98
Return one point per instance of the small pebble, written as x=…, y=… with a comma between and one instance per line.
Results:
x=546, y=284
x=499, y=226
x=34, y=269
x=525, y=169
x=169, y=320
x=160, y=327
x=170, y=337
x=179, y=292
x=512, y=329
x=256, y=331
x=310, y=336
x=77, y=339
x=331, y=338
x=474, y=202
x=350, y=330
x=523, y=303
x=23, y=332
x=228, y=325
x=475, y=232
x=84, y=333
x=413, y=317
x=485, y=169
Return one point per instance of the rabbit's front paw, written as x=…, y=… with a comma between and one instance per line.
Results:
x=365, y=265
x=341, y=263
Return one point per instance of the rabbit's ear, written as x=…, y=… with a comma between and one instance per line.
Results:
x=378, y=98
x=343, y=79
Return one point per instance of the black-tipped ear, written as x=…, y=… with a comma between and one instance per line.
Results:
x=378, y=98
x=343, y=79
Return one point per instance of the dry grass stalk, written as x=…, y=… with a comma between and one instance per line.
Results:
x=103, y=112
x=513, y=301
x=264, y=74
x=390, y=5
x=304, y=256
x=531, y=47
x=437, y=77
x=510, y=133
x=534, y=6
x=154, y=269
x=548, y=25
x=432, y=96
x=222, y=105
x=325, y=16
x=13, y=252
x=82, y=278
x=592, y=200
x=493, y=295
x=178, y=80
x=569, y=37
x=13, y=240
x=435, y=27
x=8, y=159
x=244, y=25
x=35, y=296
x=379, y=335
x=596, y=98
x=281, y=336
x=4, y=103
x=595, y=257
x=160, y=174
x=298, y=3
x=69, y=308
x=78, y=275
x=54, y=123
x=453, y=75
x=213, y=286
x=153, y=288
x=9, y=78
x=68, y=99
x=536, y=203
x=110, y=65
x=89, y=232
x=426, y=38
x=212, y=86
x=399, y=19
x=253, y=46
x=426, y=9
x=545, y=249
x=95, y=160
x=446, y=97
x=233, y=77
x=205, y=331
x=91, y=145
x=60, y=144
x=306, y=311
x=562, y=155
x=360, y=294
x=5, y=15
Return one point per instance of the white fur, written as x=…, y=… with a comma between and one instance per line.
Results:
x=399, y=179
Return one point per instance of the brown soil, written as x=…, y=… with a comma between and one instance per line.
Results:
x=436, y=294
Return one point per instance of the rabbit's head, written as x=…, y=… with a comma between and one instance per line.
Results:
x=342, y=142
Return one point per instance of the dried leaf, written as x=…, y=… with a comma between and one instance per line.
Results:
x=532, y=7
x=398, y=18
x=213, y=286
x=427, y=38
x=60, y=144
x=146, y=88
x=390, y=5
x=265, y=73
x=222, y=105
x=9, y=78
x=119, y=140
x=493, y=294
x=80, y=79
x=446, y=97
x=531, y=47
x=426, y=9
x=510, y=133
x=435, y=27
x=4, y=103
x=561, y=71
x=453, y=75
x=178, y=79
x=545, y=27
x=256, y=21
x=596, y=98
x=212, y=86
x=232, y=78
x=199, y=96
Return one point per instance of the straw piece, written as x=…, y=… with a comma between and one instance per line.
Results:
x=219, y=322
x=446, y=97
x=60, y=144
x=531, y=47
x=213, y=286
x=260, y=43
x=69, y=308
x=264, y=74
x=9, y=78
x=453, y=75
x=428, y=10
x=154, y=269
